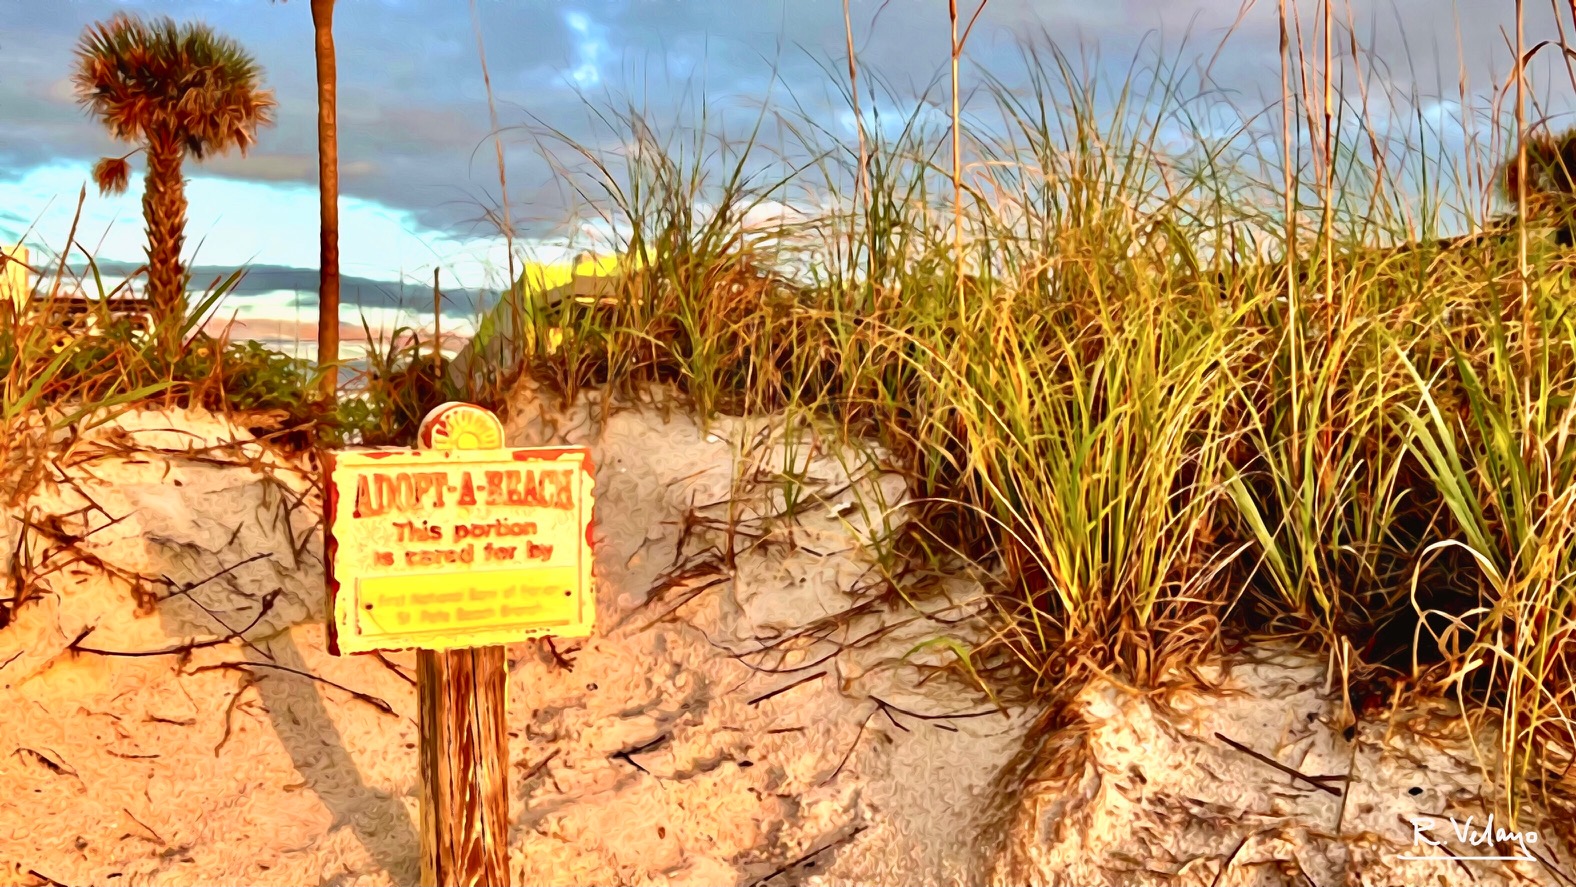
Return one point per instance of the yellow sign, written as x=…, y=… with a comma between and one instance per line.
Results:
x=447, y=547
x=460, y=426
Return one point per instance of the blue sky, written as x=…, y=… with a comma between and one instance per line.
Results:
x=417, y=169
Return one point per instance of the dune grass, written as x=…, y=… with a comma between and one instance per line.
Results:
x=56, y=377
x=1156, y=420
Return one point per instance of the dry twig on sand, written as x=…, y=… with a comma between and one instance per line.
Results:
x=1319, y=782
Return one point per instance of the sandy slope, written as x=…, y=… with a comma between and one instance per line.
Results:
x=753, y=719
x=660, y=755
x=1142, y=790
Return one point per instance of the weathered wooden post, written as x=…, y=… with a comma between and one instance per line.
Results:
x=464, y=733
x=437, y=324
x=464, y=767
x=457, y=548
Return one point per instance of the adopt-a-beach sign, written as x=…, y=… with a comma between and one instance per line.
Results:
x=461, y=543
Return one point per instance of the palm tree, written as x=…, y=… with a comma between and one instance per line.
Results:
x=173, y=89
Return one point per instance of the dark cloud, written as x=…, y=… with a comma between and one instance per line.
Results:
x=355, y=292
x=414, y=121
x=411, y=102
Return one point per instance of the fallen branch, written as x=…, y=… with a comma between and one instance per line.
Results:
x=811, y=855
x=627, y=755
x=853, y=745
x=51, y=529
x=149, y=829
x=694, y=593
x=924, y=717
x=93, y=504
x=378, y=655
x=1319, y=782
x=59, y=768
x=559, y=659
x=537, y=768
x=186, y=591
x=229, y=710
x=784, y=689
x=179, y=649
x=1230, y=858
x=369, y=699
x=817, y=634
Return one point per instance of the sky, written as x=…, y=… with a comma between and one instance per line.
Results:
x=418, y=170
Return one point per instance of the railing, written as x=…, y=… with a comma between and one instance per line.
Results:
x=79, y=315
x=67, y=314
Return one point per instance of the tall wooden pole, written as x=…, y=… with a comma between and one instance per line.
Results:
x=464, y=764
x=328, y=196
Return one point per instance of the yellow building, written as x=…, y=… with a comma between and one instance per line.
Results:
x=539, y=287
x=15, y=280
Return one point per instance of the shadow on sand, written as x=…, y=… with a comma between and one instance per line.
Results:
x=379, y=820
x=293, y=695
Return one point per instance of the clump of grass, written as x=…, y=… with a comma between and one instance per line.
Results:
x=113, y=363
x=1494, y=437
x=1160, y=411
x=404, y=380
x=66, y=375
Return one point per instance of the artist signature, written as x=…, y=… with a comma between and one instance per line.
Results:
x=1486, y=836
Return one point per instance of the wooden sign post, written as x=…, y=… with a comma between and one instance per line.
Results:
x=455, y=549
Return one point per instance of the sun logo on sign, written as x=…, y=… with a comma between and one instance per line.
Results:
x=461, y=426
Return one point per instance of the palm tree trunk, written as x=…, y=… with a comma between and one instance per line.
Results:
x=164, y=212
x=328, y=197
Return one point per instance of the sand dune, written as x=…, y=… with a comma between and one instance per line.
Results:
x=765, y=715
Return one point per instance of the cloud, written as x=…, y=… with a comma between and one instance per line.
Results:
x=417, y=167
x=288, y=168
x=61, y=93
x=411, y=103
x=590, y=47
x=233, y=223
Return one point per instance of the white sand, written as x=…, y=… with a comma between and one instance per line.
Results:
x=661, y=756
x=1140, y=791
x=313, y=785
